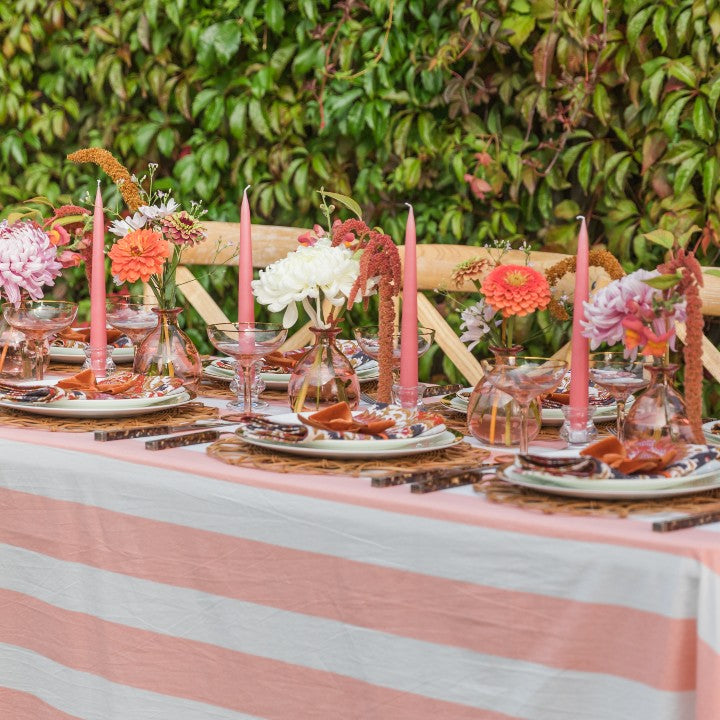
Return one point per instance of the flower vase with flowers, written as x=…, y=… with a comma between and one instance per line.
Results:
x=641, y=311
x=150, y=241
x=330, y=270
x=30, y=259
x=507, y=292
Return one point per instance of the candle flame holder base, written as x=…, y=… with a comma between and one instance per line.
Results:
x=409, y=398
x=578, y=427
x=110, y=367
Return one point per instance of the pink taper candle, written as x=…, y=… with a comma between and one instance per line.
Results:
x=580, y=357
x=98, y=321
x=246, y=303
x=409, y=324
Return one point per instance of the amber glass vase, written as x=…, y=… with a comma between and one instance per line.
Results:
x=167, y=350
x=324, y=375
x=493, y=416
x=659, y=410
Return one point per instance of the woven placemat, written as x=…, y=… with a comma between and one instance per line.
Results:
x=233, y=451
x=187, y=413
x=503, y=493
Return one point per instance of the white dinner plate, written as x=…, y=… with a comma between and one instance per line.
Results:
x=415, y=446
x=100, y=408
x=77, y=355
x=640, y=489
x=279, y=381
x=550, y=416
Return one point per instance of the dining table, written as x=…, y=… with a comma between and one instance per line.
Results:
x=168, y=585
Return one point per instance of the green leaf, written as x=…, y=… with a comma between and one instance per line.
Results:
x=672, y=115
x=702, y=120
x=711, y=174
x=166, y=141
x=202, y=99
x=601, y=104
x=664, y=282
x=237, y=119
x=567, y=210
x=636, y=25
x=348, y=202
x=520, y=27
x=144, y=136
x=685, y=172
x=664, y=238
x=682, y=72
x=660, y=26
x=714, y=93
x=275, y=15
x=258, y=120
x=227, y=40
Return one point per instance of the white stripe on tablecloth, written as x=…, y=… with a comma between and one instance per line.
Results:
x=91, y=697
x=581, y=570
x=432, y=670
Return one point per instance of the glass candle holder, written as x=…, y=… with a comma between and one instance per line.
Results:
x=578, y=427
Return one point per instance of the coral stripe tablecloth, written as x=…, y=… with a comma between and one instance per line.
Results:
x=140, y=585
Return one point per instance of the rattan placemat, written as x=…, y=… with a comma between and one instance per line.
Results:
x=233, y=451
x=187, y=413
x=503, y=493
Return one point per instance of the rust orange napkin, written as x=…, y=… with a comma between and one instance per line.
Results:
x=339, y=418
x=83, y=334
x=86, y=382
x=281, y=360
x=646, y=456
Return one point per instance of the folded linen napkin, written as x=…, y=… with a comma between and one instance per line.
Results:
x=403, y=424
x=123, y=385
x=642, y=458
x=75, y=337
x=339, y=418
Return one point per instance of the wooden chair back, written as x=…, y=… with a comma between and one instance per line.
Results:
x=435, y=264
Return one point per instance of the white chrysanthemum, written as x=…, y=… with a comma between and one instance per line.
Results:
x=317, y=272
x=28, y=260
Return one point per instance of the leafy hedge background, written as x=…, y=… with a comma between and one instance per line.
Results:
x=499, y=120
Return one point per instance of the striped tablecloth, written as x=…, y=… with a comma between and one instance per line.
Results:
x=169, y=586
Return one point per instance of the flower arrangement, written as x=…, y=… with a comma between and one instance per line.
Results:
x=640, y=310
x=344, y=264
x=603, y=267
x=151, y=239
x=28, y=260
x=507, y=292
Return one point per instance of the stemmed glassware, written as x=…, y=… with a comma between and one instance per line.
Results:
x=620, y=377
x=368, y=337
x=247, y=343
x=38, y=320
x=132, y=316
x=524, y=379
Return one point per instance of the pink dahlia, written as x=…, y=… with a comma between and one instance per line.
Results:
x=28, y=260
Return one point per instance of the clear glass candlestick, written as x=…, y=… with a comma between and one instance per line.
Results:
x=247, y=343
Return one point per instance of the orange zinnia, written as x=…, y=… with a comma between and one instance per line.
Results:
x=137, y=256
x=516, y=290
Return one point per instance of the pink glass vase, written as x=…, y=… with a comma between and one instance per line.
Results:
x=493, y=417
x=167, y=350
x=323, y=376
x=659, y=410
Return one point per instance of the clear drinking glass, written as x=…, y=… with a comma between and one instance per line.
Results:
x=368, y=337
x=619, y=377
x=132, y=316
x=39, y=320
x=247, y=343
x=524, y=379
